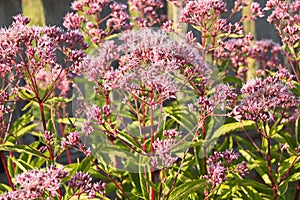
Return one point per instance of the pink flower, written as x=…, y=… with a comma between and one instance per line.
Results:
x=256, y=10
x=263, y=98
x=196, y=12
x=36, y=183
x=148, y=11
x=82, y=183
x=163, y=154
x=73, y=21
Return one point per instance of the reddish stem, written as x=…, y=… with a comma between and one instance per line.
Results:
x=6, y=171
x=44, y=125
x=297, y=191
x=204, y=148
x=152, y=150
x=63, y=134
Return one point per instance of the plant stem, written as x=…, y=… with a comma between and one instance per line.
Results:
x=44, y=125
x=297, y=191
x=63, y=134
x=6, y=171
x=109, y=177
x=274, y=186
x=152, y=150
x=204, y=148
x=181, y=165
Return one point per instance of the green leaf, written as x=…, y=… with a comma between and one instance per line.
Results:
x=71, y=121
x=26, y=94
x=4, y=187
x=58, y=100
x=232, y=79
x=112, y=36
x=25, y=130
x=294, y=177
x=84, y=165
x=283, y=187
x=97, y=174
x=296, y=88
x=198, y=28
x=10, y=167
x=21, y=149
x=129, y=140
x=285, y=165
x=182, y=191
x=21, y=164
x=234, y=126
x=262, y=189
x=297, y=130
x=24, y=120
x=21, y=127
x=29, y=104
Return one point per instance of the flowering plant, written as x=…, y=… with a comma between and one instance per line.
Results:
x=152, y=112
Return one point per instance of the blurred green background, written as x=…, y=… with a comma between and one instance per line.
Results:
x=34, y=10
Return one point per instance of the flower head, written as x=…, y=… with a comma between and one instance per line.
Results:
x=36, y=183
x=263, y=98
x=148, y=11
x=82, y=183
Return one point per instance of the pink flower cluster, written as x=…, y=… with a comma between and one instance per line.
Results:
x=87, y=17
x=286, y=17
x=36, y=183
x=238, y=51
x=224, y=97
x=30, y=53
x=162, y=149
x=97, y=115
x=263, y=99
x=145, y=66
x=81, y=183
x=217, y=169
x=148, y=12
x=199, y=12
x=36, y=49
